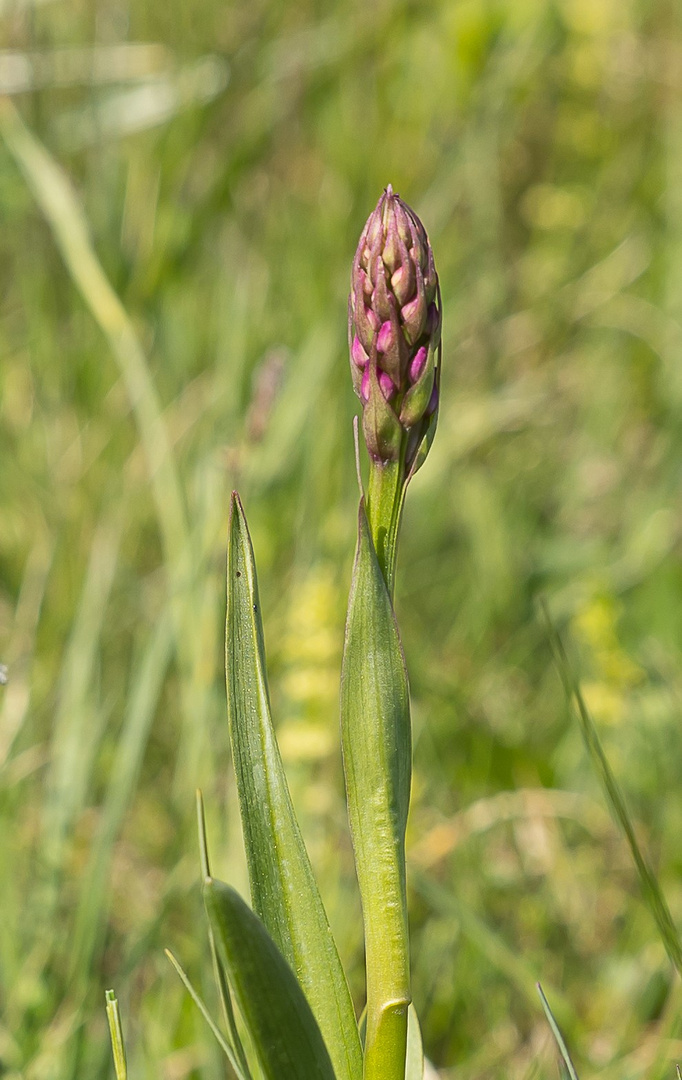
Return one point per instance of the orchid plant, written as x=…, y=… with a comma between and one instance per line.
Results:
x=277, y=959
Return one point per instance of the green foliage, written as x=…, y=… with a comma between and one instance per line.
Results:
x=116, y=1033
x=377, y=749
x=566, y=1063
x=278, y=1018
x=283, y=889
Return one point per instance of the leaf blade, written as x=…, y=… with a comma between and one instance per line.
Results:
x=283, y=1030
x=283, y=887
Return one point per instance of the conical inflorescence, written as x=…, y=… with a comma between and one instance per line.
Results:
x=394, y=331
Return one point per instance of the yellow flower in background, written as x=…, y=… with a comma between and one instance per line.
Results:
x=615, y=672
x=311, y=657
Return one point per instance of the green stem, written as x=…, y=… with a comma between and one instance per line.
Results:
x=387, y=948
x=384, y=512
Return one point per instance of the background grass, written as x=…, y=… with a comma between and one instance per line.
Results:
x=178, y=222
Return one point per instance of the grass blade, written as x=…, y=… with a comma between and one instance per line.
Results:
x=651, y=890
x=563, y=1049
x=59, y=203
x=239, y=1071
x=277, y=1015
x=221, y=980
x=283, y=888
x=90, y=925
x=116, y=1033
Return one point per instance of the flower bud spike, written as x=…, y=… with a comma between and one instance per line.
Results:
x=394, y=321
x=394, y=310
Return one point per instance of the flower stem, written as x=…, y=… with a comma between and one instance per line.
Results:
x=384, y=512
x=386, y=935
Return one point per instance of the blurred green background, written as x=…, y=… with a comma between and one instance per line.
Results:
x=181, y=190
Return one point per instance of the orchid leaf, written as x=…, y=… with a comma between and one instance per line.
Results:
x=280, y=1023
x=283, y=889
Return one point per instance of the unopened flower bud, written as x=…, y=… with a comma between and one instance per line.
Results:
x=395, y=332
x=358, y=354
x=418, y=364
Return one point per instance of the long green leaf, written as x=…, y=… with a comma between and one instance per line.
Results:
x=283, y=889
x=279, y=1020
x=375, y=723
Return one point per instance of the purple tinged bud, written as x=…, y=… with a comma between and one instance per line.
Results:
x=403, y=281
x=359, y=355
x=364, y=391
x=394, y=332
x=414, y=314
x=414, y=318
x=391, y=252
x=386, y=384
x=385, y=337
x=418, y=364
x=382, y=300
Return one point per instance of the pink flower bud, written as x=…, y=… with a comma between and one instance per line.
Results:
x=359, y=355
x=364, y=389
x=402, y=282
x=414, y=317
x=418, y=364
x=386, y=384
x=385, y=337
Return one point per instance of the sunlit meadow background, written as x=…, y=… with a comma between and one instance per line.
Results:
x=181, y=190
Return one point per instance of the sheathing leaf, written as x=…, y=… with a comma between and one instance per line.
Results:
x=281, y=1026
x=283, y=888
x=375, y=723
